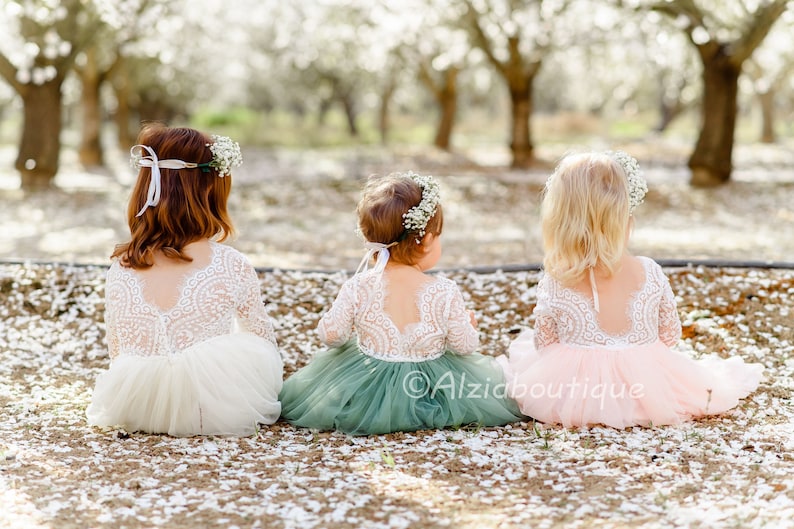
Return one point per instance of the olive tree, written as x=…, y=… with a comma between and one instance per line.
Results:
x=42, y=40
x=725, y=35
x=515, y=36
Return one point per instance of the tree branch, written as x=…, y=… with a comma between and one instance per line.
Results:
x=427, y=78
x=695, y=19
x=481, y=40
x=9, y=73
x=757, y=30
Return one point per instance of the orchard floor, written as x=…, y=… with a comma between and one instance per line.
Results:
x=294, y=213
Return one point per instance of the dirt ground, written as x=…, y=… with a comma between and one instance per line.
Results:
x=294, y=214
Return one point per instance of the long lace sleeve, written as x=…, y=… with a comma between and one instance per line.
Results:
x=251, y=311
x=545, y=323
x=111, y=314
x=669, y=322
x=462, y=337
x=336, y=325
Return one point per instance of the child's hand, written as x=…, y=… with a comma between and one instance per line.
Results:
x=473, y=319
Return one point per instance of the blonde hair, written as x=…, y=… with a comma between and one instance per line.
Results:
x=584, y=216
x=383, y=203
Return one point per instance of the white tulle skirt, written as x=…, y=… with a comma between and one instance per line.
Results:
x=223, y=386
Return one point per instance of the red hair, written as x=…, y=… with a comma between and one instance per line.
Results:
x=192, y=202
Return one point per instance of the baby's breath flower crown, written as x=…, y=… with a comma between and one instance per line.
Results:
x=416, y=218
x=225, y=155
x=637, y=185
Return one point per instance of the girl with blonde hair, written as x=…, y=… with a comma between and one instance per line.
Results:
x=605, y=320
x=191, y=345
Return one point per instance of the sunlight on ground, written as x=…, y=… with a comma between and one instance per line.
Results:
x=427, y=494
x=24, y=513
x=64, y=242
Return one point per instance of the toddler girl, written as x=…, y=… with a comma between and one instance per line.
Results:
x=412, y=363
x=175, y=297
x=600, y=351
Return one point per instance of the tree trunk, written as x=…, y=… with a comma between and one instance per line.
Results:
x=90, y=152
x=668, y=111
x=521, y=138
x=322, y=110
x=123, y=117
x=383, y=116
x=448, y=103
x=123, y=114
x=711, y=160
x=767, y=100
x=40, y=145
x=350, y=114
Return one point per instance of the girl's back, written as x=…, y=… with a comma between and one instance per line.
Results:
x=634, y=306
x=179, y=364
x=600, y=351
x=399, y=318
x=163, y=310
x=401, y=343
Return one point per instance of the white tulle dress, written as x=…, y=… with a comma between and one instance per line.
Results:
x=207, y=366
x=569, y=371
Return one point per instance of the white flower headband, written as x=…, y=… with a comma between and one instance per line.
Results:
x=416, y=218
x=225, y=155
x=637, y=185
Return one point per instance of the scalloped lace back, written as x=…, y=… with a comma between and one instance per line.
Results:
x=210, y=301
x=442, y=322
x=567, y=316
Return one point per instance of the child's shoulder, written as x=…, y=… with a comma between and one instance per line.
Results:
x=440, y=278
x=442, y=282
x=231, y=255
x=115, y=270
x=650, y=265
x=373, y=279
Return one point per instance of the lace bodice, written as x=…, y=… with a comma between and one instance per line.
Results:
x=564, y=315
x=443, y=321
x=211, y=300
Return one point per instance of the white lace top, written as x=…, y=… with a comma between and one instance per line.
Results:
x=443, y=321
x=564, y=315
x=210, y=301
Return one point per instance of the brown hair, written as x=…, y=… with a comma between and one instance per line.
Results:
x=192, y=202
x=380, y=215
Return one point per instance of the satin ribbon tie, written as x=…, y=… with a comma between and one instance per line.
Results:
x=596, y=305
x=383, y=256
x=155, y=187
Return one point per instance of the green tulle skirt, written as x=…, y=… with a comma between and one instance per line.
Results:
x=344, y=389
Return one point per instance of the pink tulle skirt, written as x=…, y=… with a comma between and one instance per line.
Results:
x=645, y=385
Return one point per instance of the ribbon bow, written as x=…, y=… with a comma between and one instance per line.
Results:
x=383, y=256
x=155, y=188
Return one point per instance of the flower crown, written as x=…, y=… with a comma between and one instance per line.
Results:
x=416, y=218
x=225, y=155
x=637, y=185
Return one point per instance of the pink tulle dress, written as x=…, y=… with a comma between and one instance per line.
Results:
x=571, y=372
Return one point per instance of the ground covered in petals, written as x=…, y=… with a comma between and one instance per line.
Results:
x=55, y=471
x=294, y=214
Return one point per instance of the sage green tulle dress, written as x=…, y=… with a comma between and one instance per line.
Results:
x=382, y=379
